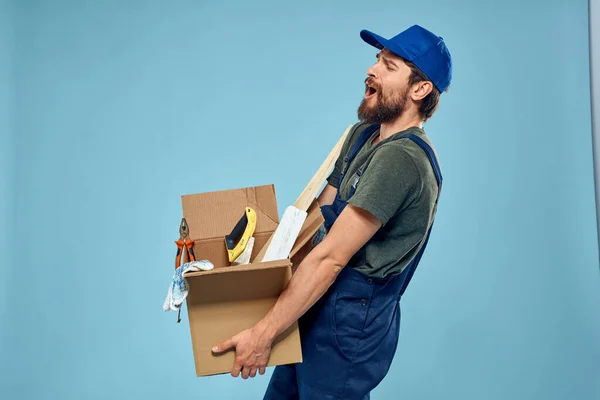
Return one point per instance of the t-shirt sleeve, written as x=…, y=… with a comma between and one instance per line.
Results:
x=389, y=183
x=334, y=177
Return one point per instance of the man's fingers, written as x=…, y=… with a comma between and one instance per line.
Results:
x=235, y=372
x=253, y=372
x=224, y=346
x=262, y=370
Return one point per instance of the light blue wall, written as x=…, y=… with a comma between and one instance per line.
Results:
x=7, y=164
x=121, y=107
x=594, y=20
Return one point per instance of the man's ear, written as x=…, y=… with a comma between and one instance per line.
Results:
x=421, y=89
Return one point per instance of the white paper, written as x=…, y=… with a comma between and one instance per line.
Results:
x=286, y=234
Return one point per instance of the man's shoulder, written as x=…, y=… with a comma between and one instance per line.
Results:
x=411, y=147
x=397, y=144
x=411, y=158
x=356, y=130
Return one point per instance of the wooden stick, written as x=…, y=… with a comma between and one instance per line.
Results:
x=310, y=191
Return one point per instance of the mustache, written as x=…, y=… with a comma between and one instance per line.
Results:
x=371, y=82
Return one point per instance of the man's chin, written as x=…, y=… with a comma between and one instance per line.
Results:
x=367, y=113
x=377, y=115
x=366, y=108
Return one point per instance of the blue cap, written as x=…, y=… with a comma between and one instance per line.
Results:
x=421, y=47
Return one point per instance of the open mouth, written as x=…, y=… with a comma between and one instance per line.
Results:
x=370, y=91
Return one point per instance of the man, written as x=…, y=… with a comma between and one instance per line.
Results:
x=379, y=204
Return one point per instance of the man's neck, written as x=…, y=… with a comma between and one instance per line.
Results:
x=403, y=122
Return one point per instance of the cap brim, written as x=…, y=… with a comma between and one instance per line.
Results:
x=380, y=42
x=373, y=39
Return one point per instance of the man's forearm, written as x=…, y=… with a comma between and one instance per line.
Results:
x=312, y=279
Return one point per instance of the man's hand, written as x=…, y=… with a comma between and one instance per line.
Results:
x=252, y=349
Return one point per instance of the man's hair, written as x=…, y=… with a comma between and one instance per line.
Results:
x=430, y=103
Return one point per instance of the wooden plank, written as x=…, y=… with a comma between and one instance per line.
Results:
x=297, y=213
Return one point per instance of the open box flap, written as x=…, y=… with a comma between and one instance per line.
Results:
x=311, y=225
x=214, y=214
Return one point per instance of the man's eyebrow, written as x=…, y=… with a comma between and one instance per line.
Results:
x=385, y=59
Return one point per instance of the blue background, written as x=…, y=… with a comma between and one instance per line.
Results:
x=109, y=111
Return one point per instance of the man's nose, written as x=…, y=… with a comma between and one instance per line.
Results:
x=372, y=71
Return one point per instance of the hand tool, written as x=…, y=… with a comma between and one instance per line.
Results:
x=237, y=241
x=282, y=240
x=186, y=242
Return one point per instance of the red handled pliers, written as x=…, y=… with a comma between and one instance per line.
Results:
x=184, y=242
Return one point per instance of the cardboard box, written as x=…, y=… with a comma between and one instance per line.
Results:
x=229, y=299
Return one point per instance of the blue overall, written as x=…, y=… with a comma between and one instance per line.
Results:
x=349, y=337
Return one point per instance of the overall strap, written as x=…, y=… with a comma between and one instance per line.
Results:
x=360, y=142
x=332, y=211
x=410, y=269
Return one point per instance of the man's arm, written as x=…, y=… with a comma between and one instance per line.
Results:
x=319, y=269
x=327, y=195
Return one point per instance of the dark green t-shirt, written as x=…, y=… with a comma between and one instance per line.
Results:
x=398, y=186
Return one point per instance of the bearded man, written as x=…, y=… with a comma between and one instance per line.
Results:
x=379, y=205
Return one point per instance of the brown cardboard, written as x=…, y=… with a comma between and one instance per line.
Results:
x=228, y=299
x=308, y=195
x=313, y=221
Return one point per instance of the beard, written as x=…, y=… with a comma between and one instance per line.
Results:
x=385, y=108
